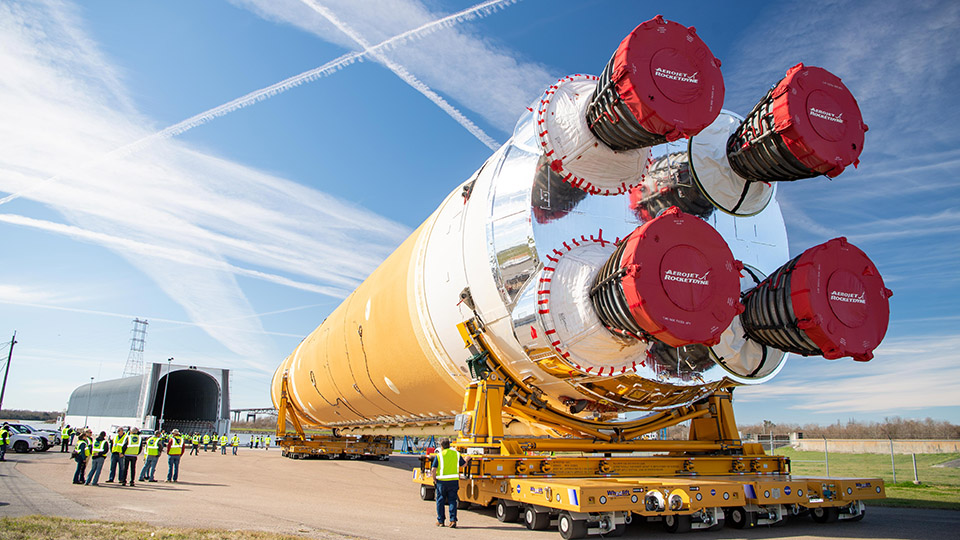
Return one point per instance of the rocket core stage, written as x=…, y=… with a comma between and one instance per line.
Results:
x=608, y=249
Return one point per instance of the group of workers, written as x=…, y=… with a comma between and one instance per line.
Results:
x=223, y=441
x=126, y=445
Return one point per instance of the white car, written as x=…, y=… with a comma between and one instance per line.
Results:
x=48, y=437
x=21, y=440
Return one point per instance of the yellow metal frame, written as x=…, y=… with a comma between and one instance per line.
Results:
x=714, y=469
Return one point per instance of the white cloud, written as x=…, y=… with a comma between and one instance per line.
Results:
x=188, y=220
x=468, y=68
x=905, y=374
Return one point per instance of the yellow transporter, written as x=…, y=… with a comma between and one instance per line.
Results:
x=592, y=271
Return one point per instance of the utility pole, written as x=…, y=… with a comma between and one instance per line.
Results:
x=89, y=399
x=3, y=390
x=163, y=405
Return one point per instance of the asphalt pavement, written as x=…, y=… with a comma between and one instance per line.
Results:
x=260, y=490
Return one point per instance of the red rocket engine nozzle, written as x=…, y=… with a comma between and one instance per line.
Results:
x=808, y=125
x=672, y=279
x=830, y=300
x=661, y=84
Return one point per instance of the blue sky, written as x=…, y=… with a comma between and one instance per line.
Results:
x=235, y=233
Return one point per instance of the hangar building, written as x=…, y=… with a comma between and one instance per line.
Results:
x=188, y=398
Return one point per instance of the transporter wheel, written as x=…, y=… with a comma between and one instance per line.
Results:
x=536, y=521
x=507, y=513
x=617, y=531
x=825, y=515
x=677, y=524
x=719, y=524
x=462, y=504
x=21, y=447
x=859, y=517
x=427, y=493
x=571, y=528
x=739, y=518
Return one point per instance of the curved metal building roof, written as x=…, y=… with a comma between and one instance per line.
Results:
x=117, y=398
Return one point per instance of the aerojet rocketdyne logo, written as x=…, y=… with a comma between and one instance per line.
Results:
x=686, y=277
x=852, y=298
x=676, y=75
x=820, y=113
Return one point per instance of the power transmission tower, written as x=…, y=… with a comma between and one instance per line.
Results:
x=137, y=341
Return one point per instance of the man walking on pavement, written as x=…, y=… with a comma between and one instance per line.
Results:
x=116, y=453
x=153, y=456
x=445, y=468
x=131, y=449
x=174, y=451
x=195, y=445
x=235, y=443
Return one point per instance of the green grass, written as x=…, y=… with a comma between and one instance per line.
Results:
x=44, y=528
x=939, y=486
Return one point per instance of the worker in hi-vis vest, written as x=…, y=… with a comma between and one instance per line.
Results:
x=235, y=443
x=223, y=444
x=206, y=441
x=445, y=468
x=116, y=453
x=131, y=449
x=65, y=434
x=153, y=456
x=174, y=450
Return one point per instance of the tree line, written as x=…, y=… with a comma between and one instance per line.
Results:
x=890, y=428
x=22, y=414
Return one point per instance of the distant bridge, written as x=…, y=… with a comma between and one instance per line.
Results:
x=252, y=413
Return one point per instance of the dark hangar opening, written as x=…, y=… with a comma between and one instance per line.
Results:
x=191, y=398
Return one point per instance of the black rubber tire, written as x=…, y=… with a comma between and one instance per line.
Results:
x=860, y=517
x=462, y=504
x=617, y=531
x=536, y=521
x=507, y=513
x=718, y=525
x=823, y=514
x=571, y=528
x=677, y=524
x=427, y=493
x=739, y=518
x=21, y=447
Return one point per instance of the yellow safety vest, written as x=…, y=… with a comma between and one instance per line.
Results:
x=223, y=440
x=65, y=433
x=448, y=464
x=118, y=441
x=4, y=436
x=206, y=439
x=83, y=448
x=235, y=441
x=196, y=439
x=153, y=446
x=176, y=446
x=99, y=446
x=133, y=445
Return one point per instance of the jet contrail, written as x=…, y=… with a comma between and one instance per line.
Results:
x=405, y=75
x=128, y=316
x=480, y=10
x=182, y=256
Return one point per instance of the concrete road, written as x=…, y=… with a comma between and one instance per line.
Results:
x=260, y=490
